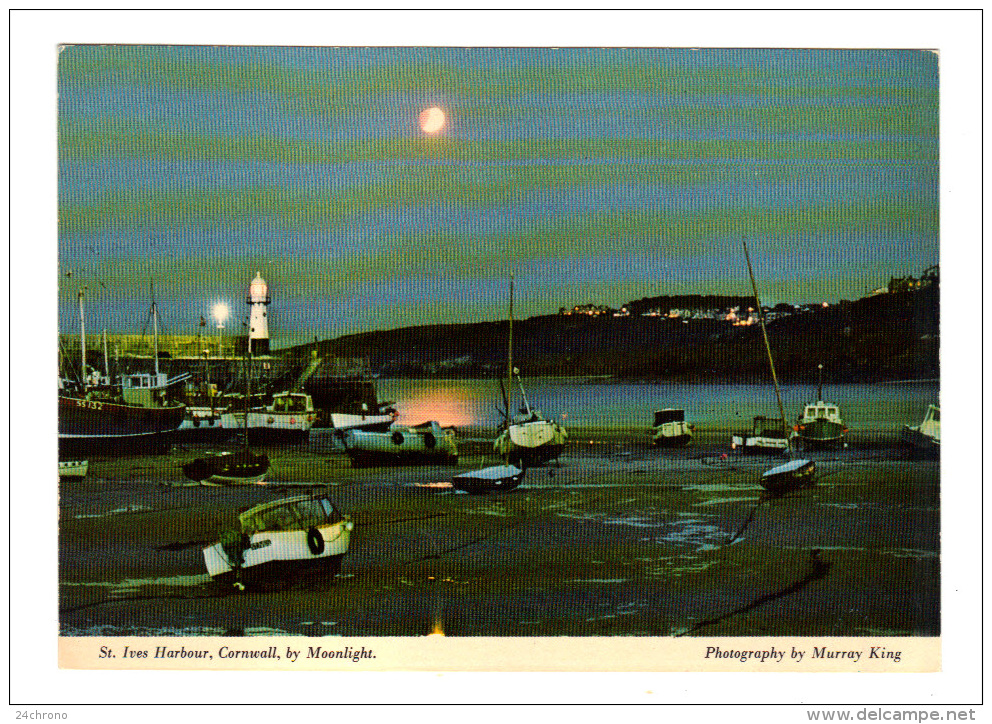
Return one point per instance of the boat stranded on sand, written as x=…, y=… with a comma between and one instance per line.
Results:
x=290, y=536
x=426, y=443
x=494, y=479
x=767, y=435
x=670, y=428
x=820, y=425
x=926, y=435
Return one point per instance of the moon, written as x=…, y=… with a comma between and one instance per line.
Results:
x=432, y=120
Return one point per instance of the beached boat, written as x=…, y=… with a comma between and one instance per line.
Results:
x=427, y=443
x=926, y=435
x=342, y=421
x=494, y=479
x=820, y=425
x=287, y=537
x=238, y=467
x=767, y=435
x=527, y=438
x=73, y=468
x=670, y=428
x=797, y=473
x=792, y=475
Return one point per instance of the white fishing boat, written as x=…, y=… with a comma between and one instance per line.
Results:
x=494, y=479
x=427, y=443
x=926, y=435
x=342, y=421
x=820, y=425
x=671, y=429
x=73, y=468
x=287, y=537
x=288, y=418
x=767, y=435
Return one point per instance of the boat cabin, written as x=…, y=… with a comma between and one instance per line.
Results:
x=297, y=513
x=291, y=402
x=821, y=410
x=668, y=415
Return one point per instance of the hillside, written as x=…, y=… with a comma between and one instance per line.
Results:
x=884, y=337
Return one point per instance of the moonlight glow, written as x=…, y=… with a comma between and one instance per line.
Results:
x=432, y=120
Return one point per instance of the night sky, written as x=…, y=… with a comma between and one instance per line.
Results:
x=596, y=175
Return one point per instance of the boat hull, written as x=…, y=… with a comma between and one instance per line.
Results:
x=407, y=446
x=372, y=423
x=759, y=445
x=821, y=433
x=531, y=444
x=231, y=469
x=111, y=428
x=672, y=434
x=271, y=554
x=73, y=468
x=794, y=475
x=497, y=479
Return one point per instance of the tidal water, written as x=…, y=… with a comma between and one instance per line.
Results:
x=609, y=404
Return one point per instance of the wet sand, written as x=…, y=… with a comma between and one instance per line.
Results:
x=621, y=539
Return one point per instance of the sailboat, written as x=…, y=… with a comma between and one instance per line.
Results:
x=527, y=437
x=820, y=425
x=797, y=473
x=240, y=467
x=499, y=478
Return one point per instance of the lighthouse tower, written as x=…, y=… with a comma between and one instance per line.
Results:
x=258, y=322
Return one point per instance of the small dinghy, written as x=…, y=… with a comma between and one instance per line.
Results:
x=494, y=479
x=228, y=468
x=73, y=468
x=793, y=475
x=286, y=537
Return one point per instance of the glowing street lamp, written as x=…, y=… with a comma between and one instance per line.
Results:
x=221, y=312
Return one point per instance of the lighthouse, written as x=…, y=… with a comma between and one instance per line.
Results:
x=258, y=323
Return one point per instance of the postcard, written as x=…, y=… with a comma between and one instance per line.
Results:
x=424, y=358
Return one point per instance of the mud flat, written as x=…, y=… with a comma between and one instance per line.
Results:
x=621, y=539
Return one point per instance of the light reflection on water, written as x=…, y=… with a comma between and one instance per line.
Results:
x=621, y=405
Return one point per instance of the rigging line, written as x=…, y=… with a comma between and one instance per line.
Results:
x=764, y=333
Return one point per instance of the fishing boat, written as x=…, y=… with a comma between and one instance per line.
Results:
x=527, y=438
x=426, y=443
x=797, y=473
x=136, y=415
x=494, y=479
x=767, y=435
x=73, y=468
x=288, y=418
x=238, y=467
x=926, y=435
x=820, y=425
x=670, y=428
x=287, y=537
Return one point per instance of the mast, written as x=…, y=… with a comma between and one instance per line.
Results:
x=764, y=333
x=509, y=358
x=106, y=358
x=819, y=386
x=82, y=335
x=154, y=327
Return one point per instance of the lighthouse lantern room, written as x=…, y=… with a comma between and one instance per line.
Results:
x=258, y=323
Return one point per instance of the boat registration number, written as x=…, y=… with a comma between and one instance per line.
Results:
x=260, y=544
x=89, y=404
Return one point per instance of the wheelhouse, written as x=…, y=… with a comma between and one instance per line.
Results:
x=297, y=513
x=662, y=417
